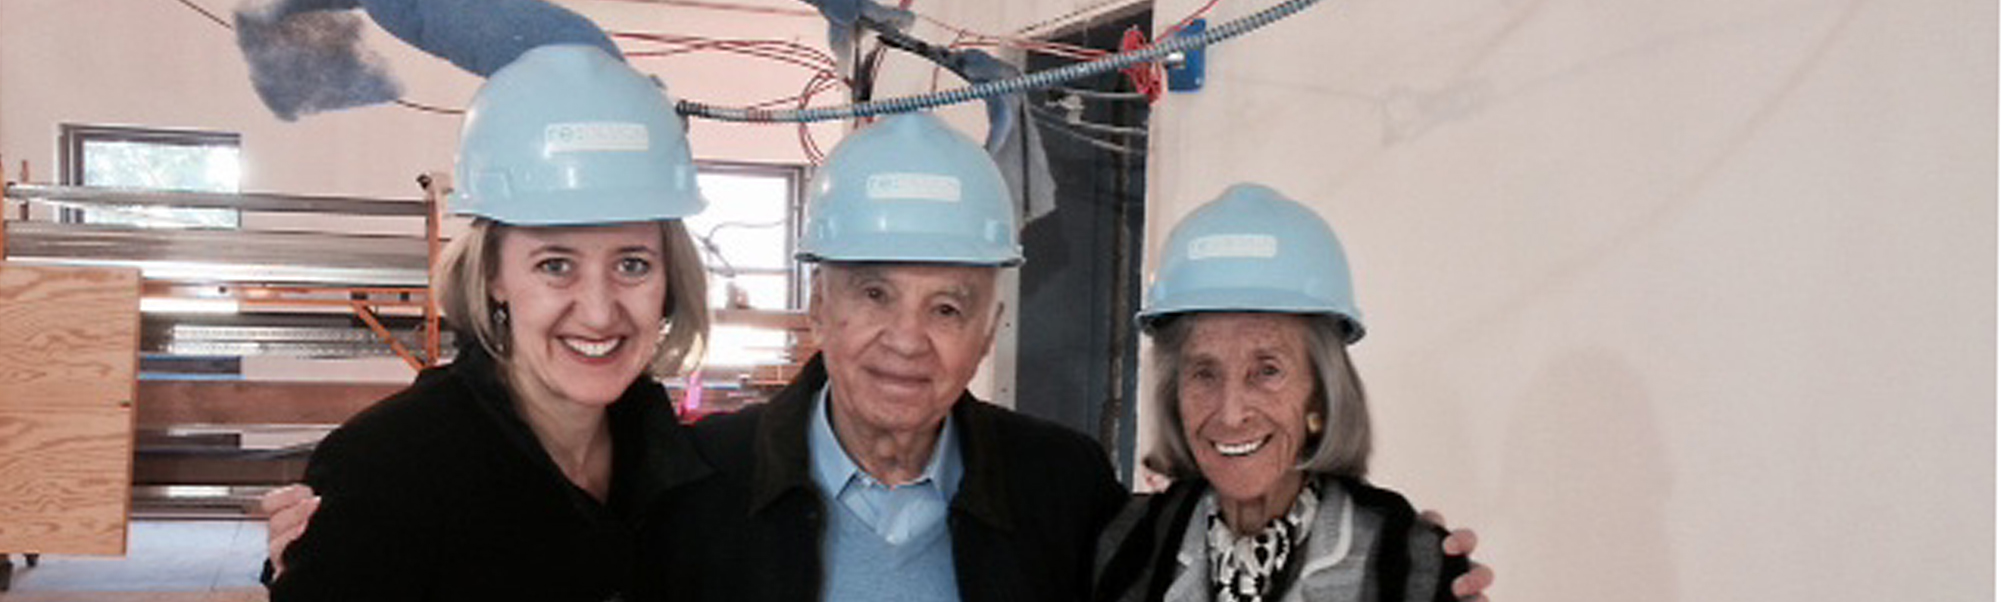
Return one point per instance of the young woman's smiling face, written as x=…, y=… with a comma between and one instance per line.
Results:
x=584, y=304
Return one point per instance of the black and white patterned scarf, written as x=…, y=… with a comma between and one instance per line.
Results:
x=1246, y=569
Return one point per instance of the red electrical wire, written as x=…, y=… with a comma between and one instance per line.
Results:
x=806, y=143
x=972, y=38
x=1199, y=13
x=673, y=44
x=1145, y=77
x=825, y=84
x=820, y=63
x=778, y=50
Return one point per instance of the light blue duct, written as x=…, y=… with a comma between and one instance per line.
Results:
x=306, y=57
x=845, y=17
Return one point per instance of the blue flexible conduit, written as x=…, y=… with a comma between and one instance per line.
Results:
x=1039, y=79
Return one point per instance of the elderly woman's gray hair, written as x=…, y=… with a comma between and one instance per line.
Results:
x=467, y=266
x=1341, y=449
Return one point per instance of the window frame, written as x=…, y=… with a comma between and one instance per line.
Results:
x=796, y=177
x=72, y=138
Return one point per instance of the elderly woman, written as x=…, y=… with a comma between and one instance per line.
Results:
x=1260, y=419
x=511, y=474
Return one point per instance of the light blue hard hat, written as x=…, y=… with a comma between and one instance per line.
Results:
x=569, y=135
x=909, y=189
x=1253, y=250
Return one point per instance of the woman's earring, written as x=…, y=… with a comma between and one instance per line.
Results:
x=1313, y=424
x=500, y=334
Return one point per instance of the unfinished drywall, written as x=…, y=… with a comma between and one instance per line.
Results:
x=1672, y=301
x=161, y=64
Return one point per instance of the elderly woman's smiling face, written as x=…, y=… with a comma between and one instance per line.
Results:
x=1244, y=385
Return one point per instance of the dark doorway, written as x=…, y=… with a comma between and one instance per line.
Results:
x=1076, y=344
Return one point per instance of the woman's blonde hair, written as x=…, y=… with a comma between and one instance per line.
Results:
x=468, y=265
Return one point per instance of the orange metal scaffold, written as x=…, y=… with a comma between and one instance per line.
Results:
x=73, y=243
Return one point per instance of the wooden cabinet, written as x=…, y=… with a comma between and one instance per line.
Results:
x=69, y=339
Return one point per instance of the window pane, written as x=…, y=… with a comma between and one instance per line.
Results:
x=160, y=166
x=739, y=346
x=765, y=291
x=748, y=223
x=746, y=219
x=131, y=164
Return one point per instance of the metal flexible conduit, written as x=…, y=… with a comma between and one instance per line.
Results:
x=1031, y=81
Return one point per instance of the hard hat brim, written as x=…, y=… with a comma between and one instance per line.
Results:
x=911, y=248
x=1238, y=300
x=582, y=208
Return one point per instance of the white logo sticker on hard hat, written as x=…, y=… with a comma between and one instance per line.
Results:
x=1218, y=246
x=913, y=186
x=595, y=136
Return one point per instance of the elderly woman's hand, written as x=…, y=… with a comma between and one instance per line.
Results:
x=289, y=508
x=1472, y=586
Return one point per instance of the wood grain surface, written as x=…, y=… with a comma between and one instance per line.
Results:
x=65, y=480
x=69, y=340
x=69, y=336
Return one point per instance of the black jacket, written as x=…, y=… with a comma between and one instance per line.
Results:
x=1139, y=555
x=441, y=492
x=1022, y=524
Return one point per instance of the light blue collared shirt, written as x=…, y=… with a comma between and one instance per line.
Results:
x=894, y=512
x=882, y=542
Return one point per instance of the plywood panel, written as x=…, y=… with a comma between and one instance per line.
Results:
x=65, y=480
x=69, y=341
x=68, y=336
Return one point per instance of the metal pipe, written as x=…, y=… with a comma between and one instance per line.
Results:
x=228, y=255
x=435, y=184
x=1039, y=79
x=368, y=316
x=275, y=203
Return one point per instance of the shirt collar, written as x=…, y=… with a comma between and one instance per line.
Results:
x=833, y=468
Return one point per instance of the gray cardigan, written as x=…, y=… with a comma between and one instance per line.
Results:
x=1348, y=556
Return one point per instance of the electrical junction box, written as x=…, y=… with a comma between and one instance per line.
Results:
x=1185, y=75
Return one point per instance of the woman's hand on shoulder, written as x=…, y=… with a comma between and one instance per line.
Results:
x=1472, y=586
x=287, y=509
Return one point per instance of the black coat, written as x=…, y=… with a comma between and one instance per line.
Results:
x=441, y=492
x=1023, y=523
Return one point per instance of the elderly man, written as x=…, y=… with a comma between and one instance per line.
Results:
x=875, y=475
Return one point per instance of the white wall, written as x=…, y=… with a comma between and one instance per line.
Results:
x=1672, y=301
x=160, y=64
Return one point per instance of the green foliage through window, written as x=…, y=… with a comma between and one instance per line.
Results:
x=156, y=160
